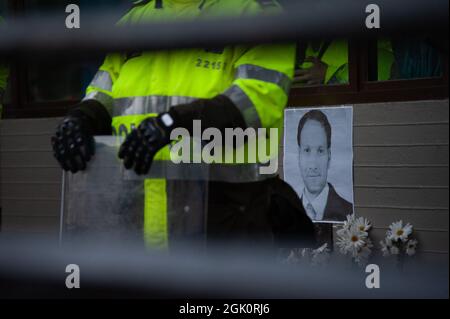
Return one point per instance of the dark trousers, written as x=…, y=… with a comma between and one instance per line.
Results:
x=259, y=214
x=239, y=213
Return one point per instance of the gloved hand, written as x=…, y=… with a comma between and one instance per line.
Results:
x=141, y=145
x=73, y=144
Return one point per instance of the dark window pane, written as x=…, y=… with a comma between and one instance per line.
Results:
x=404, y=59
x=4, y=69
x=62, y=79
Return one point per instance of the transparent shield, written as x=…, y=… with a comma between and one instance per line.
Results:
x=107, y=202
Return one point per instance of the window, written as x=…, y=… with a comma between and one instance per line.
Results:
x=322, y=62
x=405, y=59
x=4, y=70
x=384, y=70
x=48, y=86
x=63, y=79
x=328, y=71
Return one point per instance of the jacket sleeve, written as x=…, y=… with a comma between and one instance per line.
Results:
x=100, y=88
x=263, y=76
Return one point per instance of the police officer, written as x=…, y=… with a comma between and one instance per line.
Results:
x=326, y=62
x=145, y=95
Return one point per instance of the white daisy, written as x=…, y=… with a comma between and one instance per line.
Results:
x=351, y=241
x=349, y=222
x=386, y=245
x=411, y=246
x=399, y=232
x=321, y=249
x=362, y=224
x=362, y=258
x=369, y=243
x=342, y=242
x=292, y=258
x=389, y=242
x=305, y=252
x=357, y=238
x=320, y=256
x=341, y=231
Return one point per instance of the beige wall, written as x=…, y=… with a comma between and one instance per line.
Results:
x=30, y=180
x=401, y=156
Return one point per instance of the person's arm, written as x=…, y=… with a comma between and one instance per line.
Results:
x=100, y=88
x=261, y=87
x=98, y=100
x=336, y=59
x=256, y=99
x=73, y=143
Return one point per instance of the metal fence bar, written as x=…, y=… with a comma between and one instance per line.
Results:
x=303, y=21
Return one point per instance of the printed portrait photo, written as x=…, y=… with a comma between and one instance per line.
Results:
x=318, y=160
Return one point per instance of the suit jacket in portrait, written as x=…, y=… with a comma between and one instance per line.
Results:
x=337, y=208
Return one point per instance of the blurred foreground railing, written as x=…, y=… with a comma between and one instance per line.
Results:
x=303, y=20
x=36, y=269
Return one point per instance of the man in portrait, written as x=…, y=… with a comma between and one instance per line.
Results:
x=319, y=197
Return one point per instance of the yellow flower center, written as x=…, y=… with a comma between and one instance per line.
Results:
x=361, y=228
x=400, y=232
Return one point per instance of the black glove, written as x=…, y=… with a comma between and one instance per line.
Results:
x=141, y=145
x=73, y=144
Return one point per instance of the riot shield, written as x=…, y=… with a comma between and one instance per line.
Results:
x=106, y=202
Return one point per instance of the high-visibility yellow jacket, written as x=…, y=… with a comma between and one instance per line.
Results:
x=336, y=58
x=136, y=85
x=3, y=76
